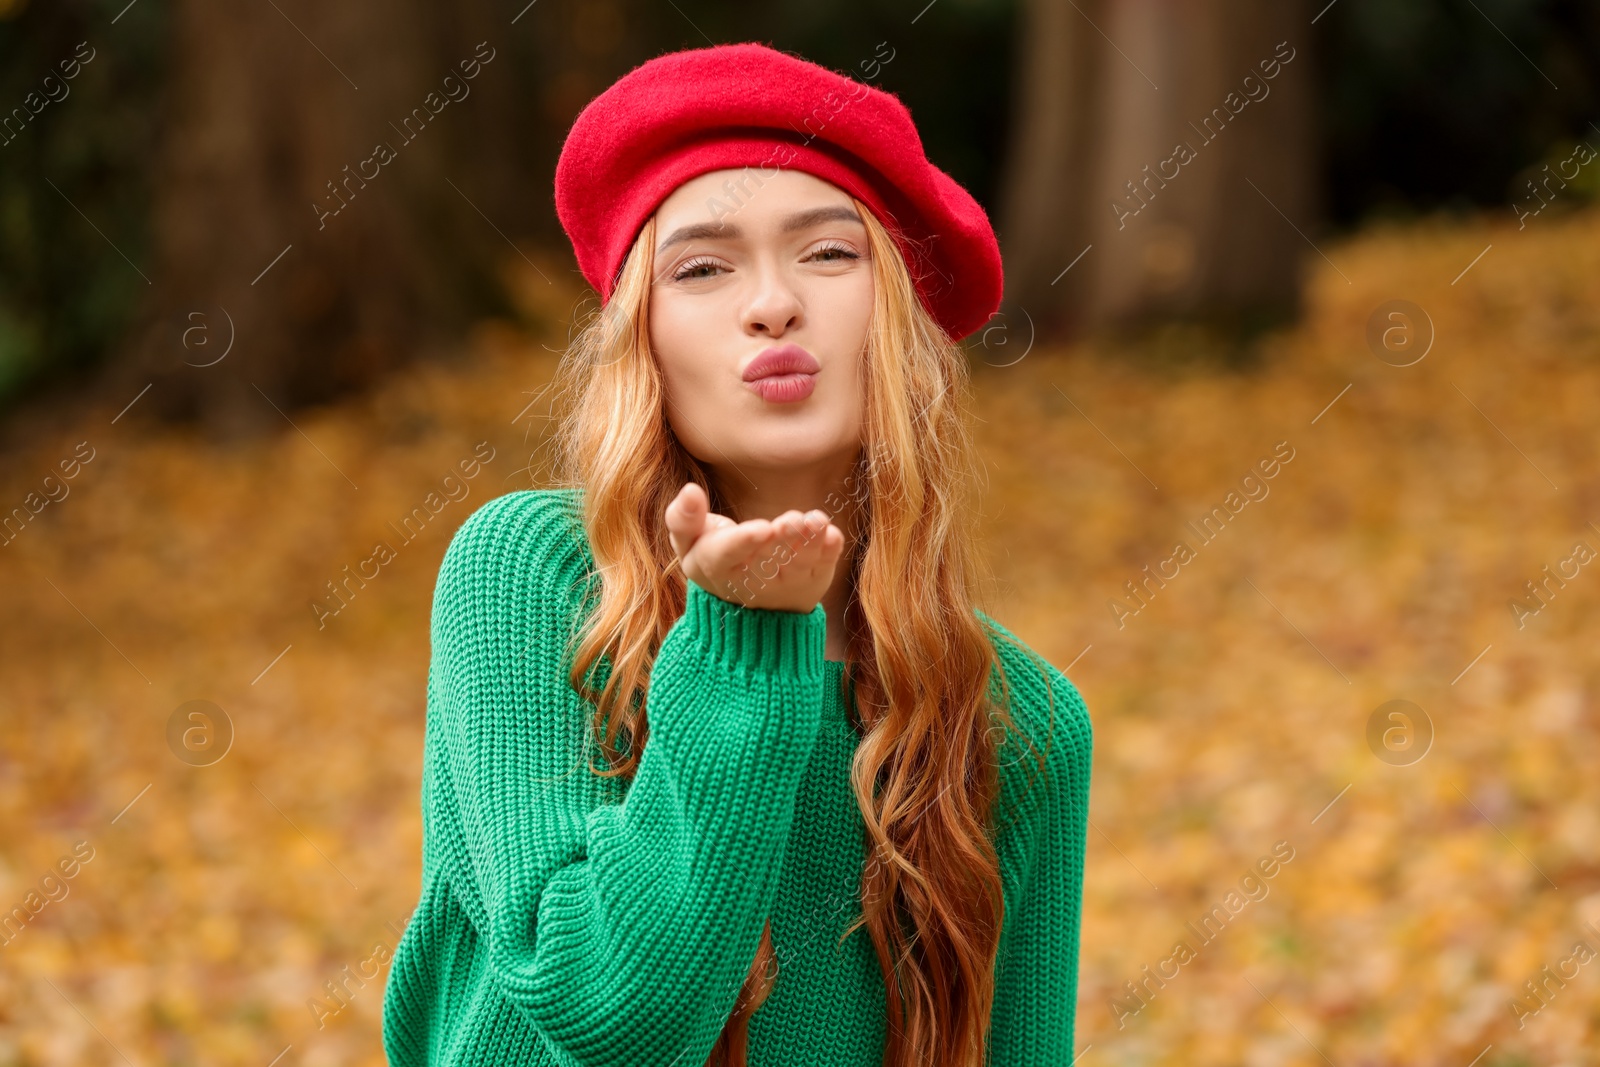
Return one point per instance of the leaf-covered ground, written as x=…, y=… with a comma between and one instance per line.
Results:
x=1423, y=866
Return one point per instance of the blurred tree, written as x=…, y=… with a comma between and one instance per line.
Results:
x=303, y=220
x=140, y=208
x=1170, y=145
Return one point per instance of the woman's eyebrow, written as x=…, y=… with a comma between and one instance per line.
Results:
x=728, y=231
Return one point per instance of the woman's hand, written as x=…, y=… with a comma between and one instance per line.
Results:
x=782, y=564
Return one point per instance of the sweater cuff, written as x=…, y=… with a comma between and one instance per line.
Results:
x=757, y=639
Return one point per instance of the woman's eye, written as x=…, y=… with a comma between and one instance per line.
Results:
x=700, y=269
x=690, y=270
x=837, y=252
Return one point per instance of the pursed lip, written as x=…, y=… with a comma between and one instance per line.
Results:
x=784, y=359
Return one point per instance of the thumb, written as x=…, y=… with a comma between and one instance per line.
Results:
x=686, y=518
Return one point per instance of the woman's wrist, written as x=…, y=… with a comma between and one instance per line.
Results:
x=765, y=639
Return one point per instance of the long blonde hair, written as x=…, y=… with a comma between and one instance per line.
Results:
x=919, y=661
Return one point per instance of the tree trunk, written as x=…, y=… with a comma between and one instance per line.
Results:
x=1045, y=188
x=307, y=240
x=1173, y=141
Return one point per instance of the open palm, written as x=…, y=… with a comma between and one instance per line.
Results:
x=781, y=564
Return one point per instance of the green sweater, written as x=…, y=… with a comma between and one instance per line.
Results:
x=570, y=919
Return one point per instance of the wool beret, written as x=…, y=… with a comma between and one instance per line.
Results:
x=685, y=113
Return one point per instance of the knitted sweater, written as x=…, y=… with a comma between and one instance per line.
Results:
x=570, y=919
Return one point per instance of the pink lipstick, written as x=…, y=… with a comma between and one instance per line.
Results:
x=782, y=375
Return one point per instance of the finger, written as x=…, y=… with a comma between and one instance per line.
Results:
x=789, y=546
x=821, y=551
x=686, y=518
x=825, y=560
x=832, y=544
x=803, y=533
x=787, y=531
x=735, y=545
x=816, y=525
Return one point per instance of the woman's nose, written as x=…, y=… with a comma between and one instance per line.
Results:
x=775, y=307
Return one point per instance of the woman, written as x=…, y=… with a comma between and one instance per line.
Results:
x=722, y=764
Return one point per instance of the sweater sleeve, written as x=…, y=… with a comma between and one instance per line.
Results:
x=1036, y=988
x=622, y=931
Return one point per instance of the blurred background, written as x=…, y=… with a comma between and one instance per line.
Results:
x=1289, y=420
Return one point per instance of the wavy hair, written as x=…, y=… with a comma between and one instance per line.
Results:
x=920, y=663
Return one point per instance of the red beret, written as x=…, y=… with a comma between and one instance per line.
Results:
x=682, y=114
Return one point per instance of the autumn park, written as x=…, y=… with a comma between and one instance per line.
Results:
x=1289, y=431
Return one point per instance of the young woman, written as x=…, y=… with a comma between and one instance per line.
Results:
x=723, y=764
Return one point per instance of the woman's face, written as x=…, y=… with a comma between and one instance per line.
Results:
x=746, y=265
